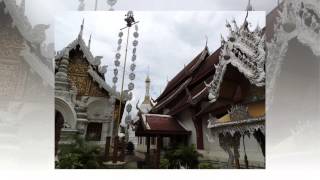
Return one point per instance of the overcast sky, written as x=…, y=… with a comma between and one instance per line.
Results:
x=43, y=11
x=167, y=41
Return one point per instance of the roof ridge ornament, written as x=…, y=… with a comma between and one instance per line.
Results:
x=245, y=50
x=89, y=42
x=245, y=23
x=206, y=41
x=249, y=6
x=81, y=29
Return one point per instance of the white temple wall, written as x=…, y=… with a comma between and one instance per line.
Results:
x=143, y=146
x=99, y=108
x=213, y=151
x=185, y=118
x=100, y=111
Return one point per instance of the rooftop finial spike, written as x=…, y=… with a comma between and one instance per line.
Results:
x=81, y=29
x=249, y=6
x=245, y=23
x=89, y=43
x=206, y=40
x=23, y=6
x=246, y=16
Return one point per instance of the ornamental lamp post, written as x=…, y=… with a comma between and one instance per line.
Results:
x=130, y=21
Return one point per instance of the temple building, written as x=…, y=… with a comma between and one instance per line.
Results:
x=217, y=102
x=141, y=143
x=155, y=131
x=26, y=81
x=84, y=103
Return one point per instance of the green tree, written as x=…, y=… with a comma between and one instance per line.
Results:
x=79, y=155
x=183, y=156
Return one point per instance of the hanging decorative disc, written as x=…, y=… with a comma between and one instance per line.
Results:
x=119, y=48
x=135, y=43
x=129, y=108
x=130, y=96
x=81, y=5
x=128, y=119
x=134, y=50
x=120, y=34
x=132, y=67
x=115, y=79
x=130, y=86
x=115, y=72
x=136, y=34
x=136, y=27
x=118, y=55
x=117, y=62
x=119, y=41
x=132, y=76
x=134, y=57
x=111, y=2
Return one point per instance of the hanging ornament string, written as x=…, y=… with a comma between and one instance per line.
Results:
x=132, y=74
x=115, y=73
x=117, y=61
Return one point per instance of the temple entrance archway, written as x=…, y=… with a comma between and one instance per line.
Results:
x=59, y=121
x=68, y=113
x=65, y=118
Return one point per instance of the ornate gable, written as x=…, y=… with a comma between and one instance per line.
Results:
x=243, y=49
x=80, y=78
x=11, y=41
x=12, y=65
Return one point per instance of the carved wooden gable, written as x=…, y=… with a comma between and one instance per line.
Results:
x=80, y=78
x=13, y=70
x=11, y=41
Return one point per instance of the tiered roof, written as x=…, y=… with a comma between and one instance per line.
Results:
x=156, y=124
x=187, y=88
x=182, y=82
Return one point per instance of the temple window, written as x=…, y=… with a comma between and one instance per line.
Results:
x=94, y=131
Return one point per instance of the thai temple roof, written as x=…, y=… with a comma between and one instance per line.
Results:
x=35, y=53
x=188, y=84
x=96, y=71
x=157, y=124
